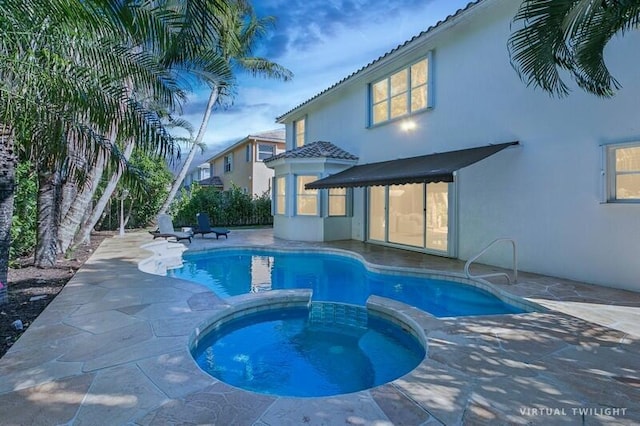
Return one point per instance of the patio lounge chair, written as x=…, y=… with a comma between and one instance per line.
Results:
x=204, y=227
x=165, y=230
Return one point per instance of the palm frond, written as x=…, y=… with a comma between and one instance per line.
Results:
x=552, y=36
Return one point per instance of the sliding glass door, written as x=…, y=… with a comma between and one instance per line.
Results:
x=406, y=214
x=414, y=215
x=377, y=213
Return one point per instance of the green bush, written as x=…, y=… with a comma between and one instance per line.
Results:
x=23, y=223
x=225, y=208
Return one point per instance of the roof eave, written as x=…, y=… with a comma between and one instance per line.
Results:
x=404, y=49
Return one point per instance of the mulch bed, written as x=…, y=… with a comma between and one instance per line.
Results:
x=31, y=289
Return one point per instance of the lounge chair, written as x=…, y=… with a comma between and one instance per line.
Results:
x=165, y=230
x=204, y=227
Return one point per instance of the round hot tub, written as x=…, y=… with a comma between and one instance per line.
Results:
x=297, y=350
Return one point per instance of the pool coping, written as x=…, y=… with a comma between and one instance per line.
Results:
x=112, y=348
x=393, y=311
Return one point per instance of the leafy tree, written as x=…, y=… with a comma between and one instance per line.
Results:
x=146, y=191
x=569, y=35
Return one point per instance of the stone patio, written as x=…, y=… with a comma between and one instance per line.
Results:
x=112, y=349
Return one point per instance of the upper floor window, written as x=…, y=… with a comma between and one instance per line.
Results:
x=400, y=94
x=623, y=172
x=265, y=151
x=337, y=201
x=228, y=163
x=247, y=153
x=280, y=194
x=306, y=199
x=300, y=130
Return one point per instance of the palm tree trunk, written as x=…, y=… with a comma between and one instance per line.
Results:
x=84, y=234
x=70, y=186
x=213, y=97
x=7, y=186
x=49, y=188
x=78, y=209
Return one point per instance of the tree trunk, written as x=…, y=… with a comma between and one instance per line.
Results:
x=78, y=209
x=49, y=189
x=7, y=187
x=213, y=97
x=69, y=186
x=84, y=234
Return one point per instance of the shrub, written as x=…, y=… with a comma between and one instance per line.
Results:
x=225, y=208
x=23, y=223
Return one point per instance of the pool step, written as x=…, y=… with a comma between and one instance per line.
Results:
x=328, y=313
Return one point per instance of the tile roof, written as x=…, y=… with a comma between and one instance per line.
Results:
x=269, y=134
x=212, y=181
x=319, y=149
x=397, y=48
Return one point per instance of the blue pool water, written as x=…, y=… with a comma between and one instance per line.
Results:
x=284, y=353
x=332, y=278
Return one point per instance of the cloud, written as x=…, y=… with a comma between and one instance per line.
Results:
x=303, y=24
x=321, y=41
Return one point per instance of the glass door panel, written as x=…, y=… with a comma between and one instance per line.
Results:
x=437, y=216
x=377, y=216
x=406, y=214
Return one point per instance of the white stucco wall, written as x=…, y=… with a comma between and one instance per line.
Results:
x=546, y=193
x=309, y=228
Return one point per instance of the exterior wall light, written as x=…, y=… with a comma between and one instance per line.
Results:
x=408, y=125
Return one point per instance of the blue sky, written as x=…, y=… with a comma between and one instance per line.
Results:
x=321, y=42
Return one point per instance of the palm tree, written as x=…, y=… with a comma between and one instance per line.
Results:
x=85, y=74
x=73, y=130
x=193, y=22
x=569, y=35
x=240, y=31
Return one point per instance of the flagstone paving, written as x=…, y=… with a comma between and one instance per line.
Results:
x=112, y=348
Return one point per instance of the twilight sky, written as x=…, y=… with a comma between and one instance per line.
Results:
x=321, y=42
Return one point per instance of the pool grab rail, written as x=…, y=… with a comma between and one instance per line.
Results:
x=497, y=274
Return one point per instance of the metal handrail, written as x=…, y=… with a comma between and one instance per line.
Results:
x=497, y=274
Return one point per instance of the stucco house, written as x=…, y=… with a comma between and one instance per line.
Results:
x=241, y=164
x=438, y=146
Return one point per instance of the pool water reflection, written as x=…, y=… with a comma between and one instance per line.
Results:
x=333, y=278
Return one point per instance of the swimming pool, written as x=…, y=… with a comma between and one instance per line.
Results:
x=334, y=278
x=289, y=352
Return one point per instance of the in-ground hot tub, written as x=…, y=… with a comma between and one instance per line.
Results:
x=284, y=345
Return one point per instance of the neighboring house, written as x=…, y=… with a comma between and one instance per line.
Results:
x=560, y=176
x=241, y=164
x=197, y=174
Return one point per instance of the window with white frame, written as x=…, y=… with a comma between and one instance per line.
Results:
x=623, y=172
x=306, y=199
x=401, y=93
x=300, y=130
x=228, y=163
x=247, y=153
x=280, y=194
x=337, y=201
x=265, y=151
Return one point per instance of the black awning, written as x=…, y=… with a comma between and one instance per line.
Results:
x=423, y=169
